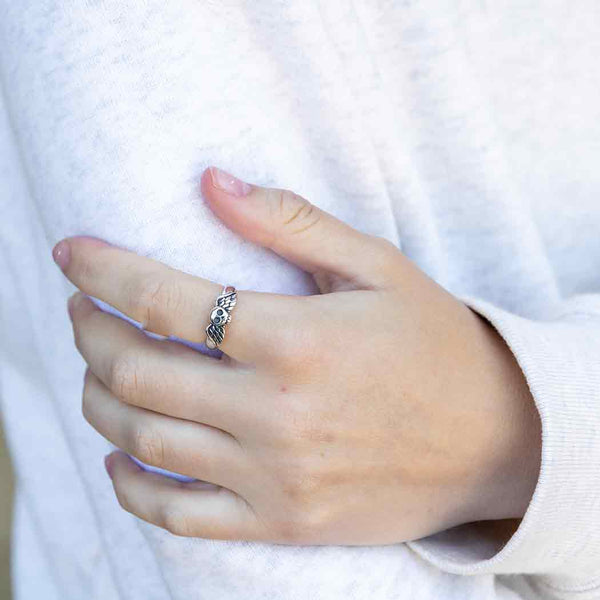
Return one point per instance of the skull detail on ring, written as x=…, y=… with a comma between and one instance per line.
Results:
x=220, y=316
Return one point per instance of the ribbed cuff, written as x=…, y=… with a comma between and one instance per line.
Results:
x=559, y=535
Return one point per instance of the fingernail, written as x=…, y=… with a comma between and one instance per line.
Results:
x=73, y=301
x=61, y=253
x=228, y=183
x=108, y=464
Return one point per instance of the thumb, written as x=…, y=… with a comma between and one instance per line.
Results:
x=297, y=230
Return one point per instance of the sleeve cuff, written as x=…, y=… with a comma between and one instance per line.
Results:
x=559, y=535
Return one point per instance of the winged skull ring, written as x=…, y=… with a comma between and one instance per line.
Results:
x=220, y=316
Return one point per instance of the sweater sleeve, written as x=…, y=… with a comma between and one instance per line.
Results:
x=558, y=539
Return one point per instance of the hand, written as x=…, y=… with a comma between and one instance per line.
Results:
x=380, y=411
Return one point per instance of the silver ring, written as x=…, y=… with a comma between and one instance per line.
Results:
x=220, y=316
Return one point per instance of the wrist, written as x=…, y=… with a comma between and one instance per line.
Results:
x=512, y=461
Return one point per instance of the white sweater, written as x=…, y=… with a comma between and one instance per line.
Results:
x=467, y=132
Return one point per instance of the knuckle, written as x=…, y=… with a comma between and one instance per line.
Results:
x=152, y=299
x=300, y=525
x=147, y=444
x=316, y=431
x=299, y=427
x=294, y=214
x=306, y=511
x=301, y=492
x=291, y=530
x=299, y=484
x=175, y=520
x=125, y=376
x=284, y=427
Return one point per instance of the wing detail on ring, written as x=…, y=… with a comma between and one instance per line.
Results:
x=227, y=300
x=216, y=333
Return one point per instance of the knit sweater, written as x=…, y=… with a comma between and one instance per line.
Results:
x=466, y=132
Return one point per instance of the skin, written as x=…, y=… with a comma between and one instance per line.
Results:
x=379, y=411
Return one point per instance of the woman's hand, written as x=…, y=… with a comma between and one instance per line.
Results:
x=380, y=411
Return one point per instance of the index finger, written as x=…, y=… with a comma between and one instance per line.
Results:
x=167, y=301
